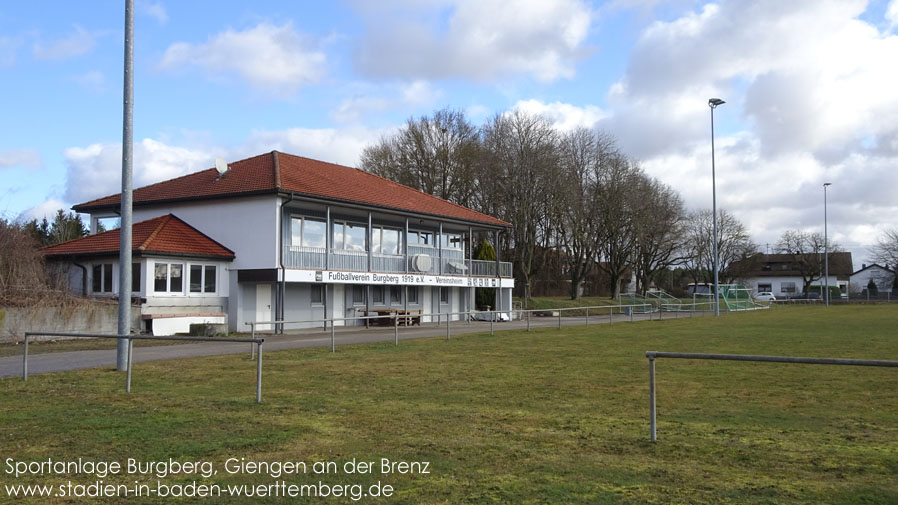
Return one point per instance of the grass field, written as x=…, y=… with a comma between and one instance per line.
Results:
x=551, y=416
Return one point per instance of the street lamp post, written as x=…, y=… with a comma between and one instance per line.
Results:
x=713, y=103
x=825, y=246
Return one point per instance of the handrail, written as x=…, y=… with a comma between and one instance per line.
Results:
x=131, y=338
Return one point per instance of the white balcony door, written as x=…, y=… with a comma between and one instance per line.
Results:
x=339, y=303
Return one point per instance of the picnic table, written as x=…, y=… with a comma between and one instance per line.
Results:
x=389, y=317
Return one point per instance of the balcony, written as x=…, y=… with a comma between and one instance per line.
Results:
x=421, y=260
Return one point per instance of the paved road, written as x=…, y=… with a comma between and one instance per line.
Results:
x=75, y=360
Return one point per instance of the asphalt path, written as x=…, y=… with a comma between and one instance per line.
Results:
x=49, y=362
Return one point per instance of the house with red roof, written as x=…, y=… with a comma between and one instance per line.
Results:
x=278, y=237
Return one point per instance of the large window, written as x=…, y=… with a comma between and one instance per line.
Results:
x=451, y=241
x=135, y=277
x=203, y=278
x=787, y=287
x=168, y=278
x=308, y=232
x=358, y=295
x=317, y=294
x=102, y=278
x=420, y=238
x=349, y=236
x=395, y=295
x=385, y=240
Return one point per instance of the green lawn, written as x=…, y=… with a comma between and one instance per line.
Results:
x=551, y=416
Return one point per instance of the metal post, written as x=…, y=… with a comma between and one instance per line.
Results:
x=825, y=246
x=333, y=338
x=587, y=317
x=559, y=319
x=654, y=435
x=713, y=103
x=396, y=330
x=631, y=313
x=259, y=375
x=492, y=316
x=25, y=361
x=130, y=353
x=529, y=313
x=611, y=315
x=448, y=316
x=125, y=245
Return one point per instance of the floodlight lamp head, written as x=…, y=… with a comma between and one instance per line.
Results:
x=825, y=184
x=714, y=102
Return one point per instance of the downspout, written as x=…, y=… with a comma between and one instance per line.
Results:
x=83, y=278
x=282, y=288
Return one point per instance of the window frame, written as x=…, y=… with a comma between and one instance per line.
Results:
x=102, y=283
x=444, y=301
x=417, y=234
x=345, y=225
x=168, y=278
x=204, y=279
x=377, y=233
x=301, y=220
x=319, y=289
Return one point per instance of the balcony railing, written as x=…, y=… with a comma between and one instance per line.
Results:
x=453, y=262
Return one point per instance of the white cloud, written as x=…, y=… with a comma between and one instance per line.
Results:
x=268, y=57
x=563, y=116
x=367, y=99
x=78, y=43
x=95, y=171
x=153, y=9
x=892, y=14
x=28, y=158
x=46, y=209
x=482, y=40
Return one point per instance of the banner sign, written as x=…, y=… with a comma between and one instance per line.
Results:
x=341, y=277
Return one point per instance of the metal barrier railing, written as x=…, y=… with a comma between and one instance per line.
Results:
x=467, y=316
x=131, y=338
x=653, y=355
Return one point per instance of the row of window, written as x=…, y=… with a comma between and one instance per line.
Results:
x=309, y=232
x=380, y=295
x=167, y=278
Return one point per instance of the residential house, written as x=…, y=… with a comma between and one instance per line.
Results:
x=781, y=274
x=882, y=276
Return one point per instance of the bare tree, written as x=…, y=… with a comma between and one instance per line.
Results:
x=582, y=153
x=885, y=251
x=807, y=252
x=618, y=202
x=733, y=246
x=658, y=228
x=436, y=154
x=519, y=173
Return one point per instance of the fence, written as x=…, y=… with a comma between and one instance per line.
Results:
x=131, y=338
x=653, y=355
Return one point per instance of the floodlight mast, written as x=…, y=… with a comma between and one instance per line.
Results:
x=825, y=245
x=124, y=257
x=713, y=103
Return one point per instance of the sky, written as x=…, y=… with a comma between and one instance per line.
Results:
x=811, y=91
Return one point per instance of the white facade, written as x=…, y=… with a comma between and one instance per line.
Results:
x=881, y=276
x=786, y=286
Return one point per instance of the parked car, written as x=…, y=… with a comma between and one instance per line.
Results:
x=805, y=296
x=765, y=296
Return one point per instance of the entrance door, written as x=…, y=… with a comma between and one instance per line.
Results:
x=263, y=305
x=339, y=303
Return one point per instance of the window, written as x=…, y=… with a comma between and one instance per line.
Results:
x=102, y=278
x=168, y=278
x=764, y=288
x=202, y=278
x=420, y=238
x=135, y=277
x=385, y=240
x=395, y=295
x=413, y=294
x=349, y=236
x=787, y=287
x=377, y=293
x=444, y=295
x=358, y=295
x=451, y=241
x=308, y=232
x=317, y=294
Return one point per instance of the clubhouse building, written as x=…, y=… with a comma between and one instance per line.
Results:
x=278, y=237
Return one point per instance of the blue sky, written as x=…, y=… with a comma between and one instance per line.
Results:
x=810, y=97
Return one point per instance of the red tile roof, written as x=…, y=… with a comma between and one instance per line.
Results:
x=278, y=172
x=164, y=235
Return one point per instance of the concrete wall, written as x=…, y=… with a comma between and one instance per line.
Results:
x=84, y=316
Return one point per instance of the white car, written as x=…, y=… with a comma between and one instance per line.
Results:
x=765, y=296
